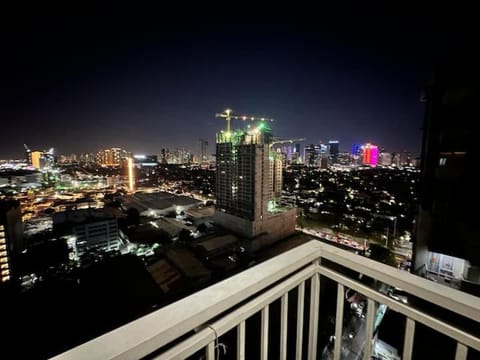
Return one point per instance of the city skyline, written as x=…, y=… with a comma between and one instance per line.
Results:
x=158, y=82
x=240, y=183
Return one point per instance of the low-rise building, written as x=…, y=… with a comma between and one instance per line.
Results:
x=87, y=229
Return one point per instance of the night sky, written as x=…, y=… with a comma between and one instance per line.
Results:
x=144, y=79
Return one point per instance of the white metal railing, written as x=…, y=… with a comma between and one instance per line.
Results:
x=214, y=311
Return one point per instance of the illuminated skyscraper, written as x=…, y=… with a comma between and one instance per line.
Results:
x=333, y=150
x=370, y=154
x=87, y=158
x=203, y=151
x=296, y=158
x=40, y=159
x=249, y=184
x=141, y=160
x=35, y=157
x=112, y=157
x=312, y=155
x=11, y=236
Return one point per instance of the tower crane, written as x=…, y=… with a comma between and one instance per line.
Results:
x=286, y=141
x=228, y=115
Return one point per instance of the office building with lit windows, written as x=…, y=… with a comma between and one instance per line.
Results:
x=4, y=258
x=312, y=155
x=370, y=155
x=11, y=236
x=113, y=157
x=145, y=160
x=249, y=186
x=333, y=150
x=87, y=230
x=40, y=159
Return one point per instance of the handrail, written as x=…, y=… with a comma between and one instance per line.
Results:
x=452, y=299
x=149, y=333
x=155, y=330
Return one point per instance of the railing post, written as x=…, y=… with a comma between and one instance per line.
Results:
x=264, y=334
x=300, y=306
x=241, y=341
x=408, y=342
x=339, y=322
x=313, y=322
x=461, y=352
x=283, y=326
x=210, y=351
x=371, y=312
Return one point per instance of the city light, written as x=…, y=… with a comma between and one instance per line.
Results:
x=131, y=179
x=370, y=154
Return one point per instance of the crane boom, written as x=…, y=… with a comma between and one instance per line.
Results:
x=227, y=115
x=286, y=141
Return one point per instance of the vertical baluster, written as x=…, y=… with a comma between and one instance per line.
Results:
x=313, y=322
x=210, y=351
x=371, y=312
x=264, y=339
x=283, y=326
x=339, y=322
x=408, y=342
x=300, y=306
x=241, y=341
x=461, y=353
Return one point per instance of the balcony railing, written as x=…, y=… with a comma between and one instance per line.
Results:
x=197, y=322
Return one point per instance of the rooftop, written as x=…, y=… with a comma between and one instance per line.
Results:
x=143, y=201
x=81, y=216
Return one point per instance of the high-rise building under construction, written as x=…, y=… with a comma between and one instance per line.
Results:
x=249, y=186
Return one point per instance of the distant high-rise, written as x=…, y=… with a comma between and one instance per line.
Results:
x=312, y=155
x=370, y=154
x=87, y=158
x=203, y=151
x=176, y=156
x=448, y=220
x=40, y=159
x=333, y=150
x=140, y=160
x=35, y=157
x=11, y=236
x=249, y=184
x=385, y=158
x=356, y=150
x=66, y=159
x=405, y=158
x=112, y=157
x=164, y=156
x=296, y=158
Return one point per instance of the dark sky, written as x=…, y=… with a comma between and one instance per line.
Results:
x=144, y=78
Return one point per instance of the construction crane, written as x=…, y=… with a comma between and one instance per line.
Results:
x=228, y=115
x=286, y=141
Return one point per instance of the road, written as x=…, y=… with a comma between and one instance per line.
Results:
x=344, y=239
